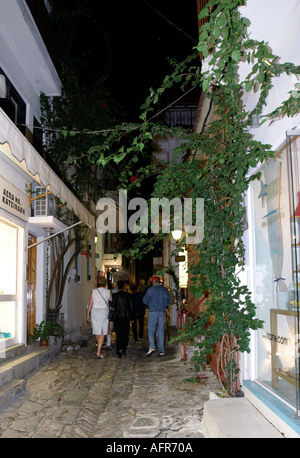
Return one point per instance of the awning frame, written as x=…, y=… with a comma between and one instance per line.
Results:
x=54, y=235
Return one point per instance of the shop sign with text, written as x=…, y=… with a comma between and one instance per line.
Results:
x=13, y=200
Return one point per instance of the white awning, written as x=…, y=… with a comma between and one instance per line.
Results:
x=18, y=149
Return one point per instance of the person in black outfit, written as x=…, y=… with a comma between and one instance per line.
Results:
x=139, y=309
x=123, y=314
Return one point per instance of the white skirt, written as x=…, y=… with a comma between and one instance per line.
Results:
x=100, y=322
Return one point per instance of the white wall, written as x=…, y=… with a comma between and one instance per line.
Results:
x=277, y=23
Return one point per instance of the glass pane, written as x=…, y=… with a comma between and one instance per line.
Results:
x=8, y=259
x=274, y=280
x=7, y=320
x=294, y=178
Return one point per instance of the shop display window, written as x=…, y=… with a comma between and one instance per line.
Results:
x=276, y=284
x=8, y=263
x=8, y=279
x=7, y=320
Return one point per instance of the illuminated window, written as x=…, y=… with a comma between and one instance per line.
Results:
x=8, y=263
x=8, y=280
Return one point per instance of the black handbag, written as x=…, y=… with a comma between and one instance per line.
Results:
x=111, y=314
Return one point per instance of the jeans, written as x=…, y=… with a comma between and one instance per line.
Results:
x=156, y=321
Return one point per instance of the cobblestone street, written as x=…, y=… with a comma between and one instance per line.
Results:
x=79, y=396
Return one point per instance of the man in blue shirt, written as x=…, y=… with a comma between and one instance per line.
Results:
x=158, y=299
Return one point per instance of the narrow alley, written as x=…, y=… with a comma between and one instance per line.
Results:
x=79, y=396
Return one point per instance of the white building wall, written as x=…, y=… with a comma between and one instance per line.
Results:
x=26, y=62
x=277, y=24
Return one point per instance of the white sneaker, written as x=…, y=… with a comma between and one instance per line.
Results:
x=152, y=350
x=161, y=353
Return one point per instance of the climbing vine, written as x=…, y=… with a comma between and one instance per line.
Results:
x=218, y=162
x=215, y=169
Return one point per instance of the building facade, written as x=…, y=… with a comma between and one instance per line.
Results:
x=269, y=373
x=30, y=189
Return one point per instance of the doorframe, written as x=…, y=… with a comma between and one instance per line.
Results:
x=31, y=275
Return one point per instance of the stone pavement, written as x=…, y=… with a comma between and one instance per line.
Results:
x=79, y=396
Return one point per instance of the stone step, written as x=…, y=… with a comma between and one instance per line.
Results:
x=12, y=351
x=235, y=418
x=21, y=366
x=10, y=390
x=15, y=370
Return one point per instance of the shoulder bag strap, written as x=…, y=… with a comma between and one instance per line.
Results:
x=102, y=297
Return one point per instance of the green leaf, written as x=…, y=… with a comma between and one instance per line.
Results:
x=246, y=22
x=236, y=55
x=261, y=77
x=222, y=20
x=216, y=32
x=178, y=78
x=203, y=13
x=249, y=85
x=205, y=85
x=119, y=158
x=203, y=49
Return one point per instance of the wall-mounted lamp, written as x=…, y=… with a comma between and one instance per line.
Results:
x=255, y=121
x=72, y=274
x=177, y=235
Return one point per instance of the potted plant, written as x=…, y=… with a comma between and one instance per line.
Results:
x=56, y=336
x=42, y=331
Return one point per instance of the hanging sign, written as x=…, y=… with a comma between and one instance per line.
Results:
x=179, y=258
x=13, y=200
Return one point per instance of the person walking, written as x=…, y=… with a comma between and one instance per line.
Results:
x=142, y=287
x=139, y=313
x=157, y=298
x=113, y=289
x=97, y=313
x=123, y=314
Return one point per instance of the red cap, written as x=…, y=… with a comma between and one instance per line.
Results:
x=155, y=279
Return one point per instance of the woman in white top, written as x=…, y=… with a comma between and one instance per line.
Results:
x=97, y=313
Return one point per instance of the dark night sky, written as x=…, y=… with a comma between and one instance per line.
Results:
x=143, y=40
x=140, y=39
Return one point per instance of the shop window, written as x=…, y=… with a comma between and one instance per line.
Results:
x=37, y=136
x=275, y=275
x=13, y=105
x=8, y=280
x=8, y=264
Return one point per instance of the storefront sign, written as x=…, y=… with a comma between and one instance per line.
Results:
x=279, y=339
x=13, y=200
